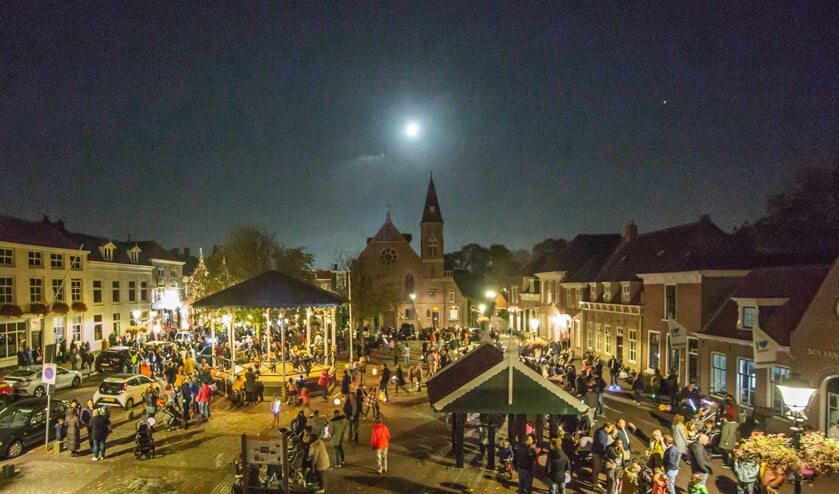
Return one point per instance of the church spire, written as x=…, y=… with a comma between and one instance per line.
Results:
x=431, y=212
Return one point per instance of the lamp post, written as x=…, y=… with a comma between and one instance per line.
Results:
x=534, y=326
x=414, y=316
x=796, y=394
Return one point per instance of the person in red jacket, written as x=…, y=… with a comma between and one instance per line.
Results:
x=380, y=441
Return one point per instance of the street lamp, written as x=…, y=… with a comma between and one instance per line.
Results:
x=534, y=326
x=796, y=394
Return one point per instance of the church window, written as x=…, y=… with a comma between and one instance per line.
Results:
x=388, y=256
x=409, y=283
x=433, y=246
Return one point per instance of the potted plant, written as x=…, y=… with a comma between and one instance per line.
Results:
x=10, y=310
x=60, y=308
x=79, y=307
x=39, y=308
x=817, y=455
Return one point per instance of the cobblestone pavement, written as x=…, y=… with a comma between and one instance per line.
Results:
x=200, y=458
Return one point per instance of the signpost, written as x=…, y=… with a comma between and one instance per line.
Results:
x=48, y=378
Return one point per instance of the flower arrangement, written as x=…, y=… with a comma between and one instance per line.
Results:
x=38, y=308
x=774, y=449
x=10, y=310
x=60, y=308
x=79, y=307
x=817, y=454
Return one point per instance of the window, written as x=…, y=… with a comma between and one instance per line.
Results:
x=409, y=283
x=589, y=336
x=116, y=324
x=97, y=291
x=598, y=338
x=719, y=366
x=36, y=290
x=134, y=255
x=144, y=291
x=75, y=290
x=433, y=246
x=36, y=259
x=607, y=292
x=454, y=313
x=97, y=326
x=6, y=258
x=654, y=350
x=108, y=253
x=76, y=328
x=592, y=293
x=746, y=382
x=748, y=317
x=626, y=294
x=132, y=291
x=58, y=290
x=115, y=291
x=569, y=298
x=7, y=289
x=75, y=262
x=608, y=341
x=173, y=273
x=58, y=329
x=409, y=314
x=779, y=376
x=451, y=295
x=160, y=272
x=670, y=302
x=57, y=261
x=11, y=336
x=633, y=345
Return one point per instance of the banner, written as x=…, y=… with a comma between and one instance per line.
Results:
x=765, y=349
x=678, y=334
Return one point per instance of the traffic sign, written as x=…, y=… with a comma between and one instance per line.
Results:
x=48, y=374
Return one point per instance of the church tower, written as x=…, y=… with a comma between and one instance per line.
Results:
x=431, y=228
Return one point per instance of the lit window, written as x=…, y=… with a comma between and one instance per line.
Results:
x=749, y=317
x=6, y=258
x=36, y=290
x=779, y=376
x=626, y=295
x=746, y=382
x=57, y=261
x=670, y=302
x=633, y=345
x=719, y=367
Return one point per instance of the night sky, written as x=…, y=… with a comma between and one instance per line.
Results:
x=178, y=121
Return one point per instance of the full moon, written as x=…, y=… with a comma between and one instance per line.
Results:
x=412, y=129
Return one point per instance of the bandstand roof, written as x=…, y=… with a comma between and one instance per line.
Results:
x=271, y=290
x=481, y=384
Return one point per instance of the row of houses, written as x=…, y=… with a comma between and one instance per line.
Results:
x=58, y=285
x=697, y=302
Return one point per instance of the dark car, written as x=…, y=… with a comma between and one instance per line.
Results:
x=114, y=359
x=24, y=423
x=406, y=331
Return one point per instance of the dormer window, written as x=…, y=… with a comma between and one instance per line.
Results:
x=134, y=255
x=626, y=293
x=607, y=292
x=748, y=317
x=107, y=251
x=592, y=294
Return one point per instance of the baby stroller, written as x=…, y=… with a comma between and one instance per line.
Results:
x=143, y=440
x=175, y=420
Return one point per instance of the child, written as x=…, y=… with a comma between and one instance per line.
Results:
x=695, y=486
x=59, y=430
x=372, y=401
x=291, y=391
x=659, y=481
x=276, y=406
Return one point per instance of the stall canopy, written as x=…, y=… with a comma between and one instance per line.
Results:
x=271, y=290
x=487, y=381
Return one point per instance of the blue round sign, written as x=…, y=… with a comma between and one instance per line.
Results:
x=49, y=373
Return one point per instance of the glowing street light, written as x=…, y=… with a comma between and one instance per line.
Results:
x=796, y=394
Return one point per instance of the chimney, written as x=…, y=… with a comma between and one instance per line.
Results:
x=631, y=231
x=186, y=251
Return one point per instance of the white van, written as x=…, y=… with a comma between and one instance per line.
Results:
x=184, y=337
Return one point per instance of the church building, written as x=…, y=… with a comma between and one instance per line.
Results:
x=393, y=284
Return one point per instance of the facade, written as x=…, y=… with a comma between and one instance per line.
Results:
x=405, y=286
x=77, y=287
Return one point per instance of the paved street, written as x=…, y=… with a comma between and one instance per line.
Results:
x=200, y=459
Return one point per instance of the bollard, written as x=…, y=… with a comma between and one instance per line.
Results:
x=8, y=471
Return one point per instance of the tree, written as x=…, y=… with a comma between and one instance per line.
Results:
x=372, y=296
x=804, y=218
x=250, y=251
x=549, y=246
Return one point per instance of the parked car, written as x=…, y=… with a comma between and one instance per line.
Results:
x=123, y=390
x=406, y=331
x=23, y=424
x=113, y=359
x=7, y=393
x=29, y=382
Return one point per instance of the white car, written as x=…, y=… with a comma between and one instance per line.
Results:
x=123, y=390
x=29, y=383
